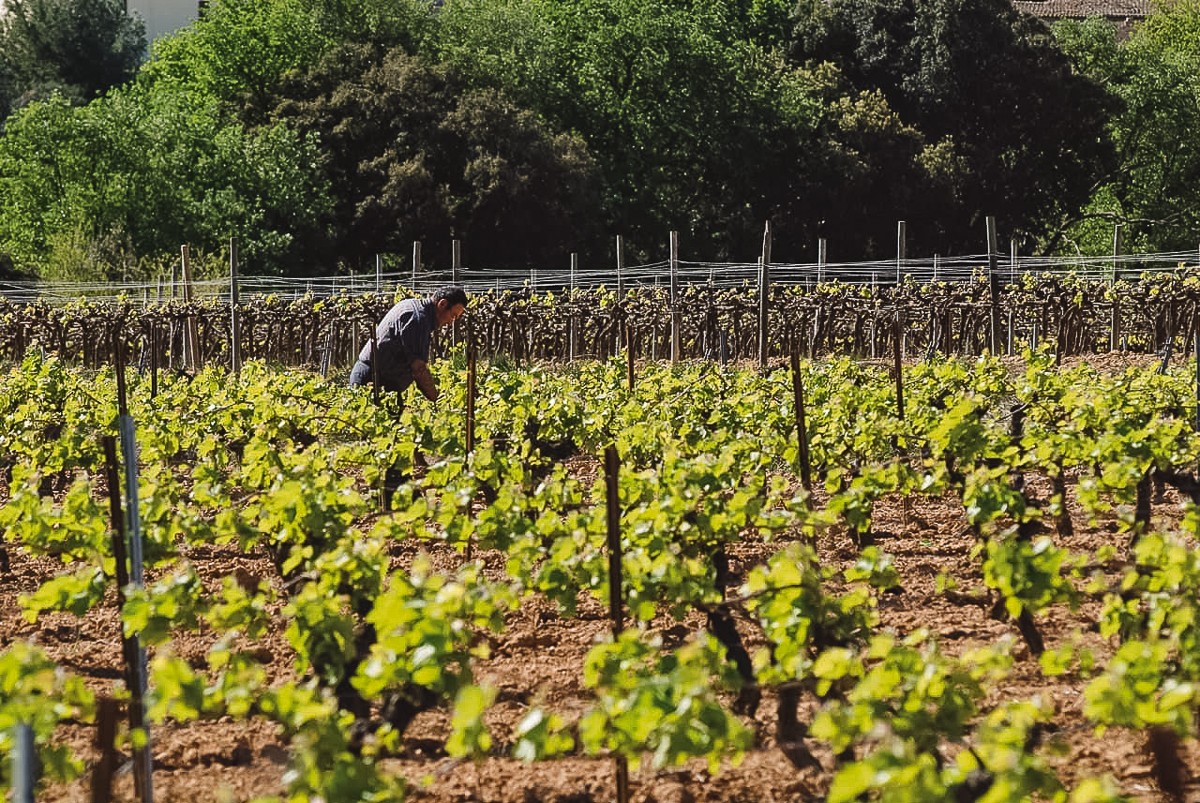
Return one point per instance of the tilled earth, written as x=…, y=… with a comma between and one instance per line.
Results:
x=539, y=658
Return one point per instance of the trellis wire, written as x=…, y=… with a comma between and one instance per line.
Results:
x=717, y=274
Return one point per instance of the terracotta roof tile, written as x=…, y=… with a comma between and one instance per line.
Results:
x=1079, y=9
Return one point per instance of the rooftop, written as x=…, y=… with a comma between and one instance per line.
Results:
x=1081, y=9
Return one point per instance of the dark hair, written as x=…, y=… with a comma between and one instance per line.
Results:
x=453, y=295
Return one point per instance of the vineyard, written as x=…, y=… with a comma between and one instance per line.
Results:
x=969, y=580
x=1069, y=315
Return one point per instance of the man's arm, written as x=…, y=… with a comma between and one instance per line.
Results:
x=424, y=379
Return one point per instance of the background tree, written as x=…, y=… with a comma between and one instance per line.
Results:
x=694, y=122
x=410, y=152
x=80, y=48
x=107, y=189
x=240, y=50
x=989, y=89
x=1153, y=188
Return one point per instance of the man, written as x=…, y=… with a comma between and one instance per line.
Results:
x=402, y=342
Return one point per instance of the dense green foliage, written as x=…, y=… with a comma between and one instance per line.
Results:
x=1151, y=188
x=79, y=48
x=995, y=100
x=322, y=132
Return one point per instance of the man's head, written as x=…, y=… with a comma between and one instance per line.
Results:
x=449, y=303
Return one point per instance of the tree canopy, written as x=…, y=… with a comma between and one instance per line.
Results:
x=1152, y=188
x=79, y=48
x=1024, y=131
x=322, y=132
x=411, y=152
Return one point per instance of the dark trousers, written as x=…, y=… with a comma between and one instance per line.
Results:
x=393, y=477
x=360, y=374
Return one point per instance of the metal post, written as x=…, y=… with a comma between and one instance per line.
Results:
x=821, y=258
x=455, y=260
x=142, y=762
x=24, y=764
x=901, y=248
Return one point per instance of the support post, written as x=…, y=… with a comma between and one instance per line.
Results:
x=24, y=764
x=1114, y=336
x=801, y=423
x=620, y=267
x=374, y=364
x=674, y=297
x=898, y=360
x=612, y=469
x=1196, y=339
x=107, y=711
x=416, y=263
x=764, y=295
x=571, y=319
x=143, y=766
x=822, y=256
x=471, y=380
x=901, y=249
x=629, y=356
x=191, y=346
x=235, y=345
x=455, y=270
x=993, y=287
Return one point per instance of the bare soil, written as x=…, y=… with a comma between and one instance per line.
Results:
x=540, y=656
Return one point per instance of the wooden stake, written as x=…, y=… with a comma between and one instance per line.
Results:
x=629, y=356
x=620, y=267
x=154, y=345
x=571, y=319
x=676, y=321
x=1114, y=337
x=235, y=346
x=801, y=423
x=898, y=330
x=612, y=469
x=107, y=711
x=191, y=336
x=993, y=286
x=1197, y=347
x=374, y=366
x=764, y=292
x=471, y=368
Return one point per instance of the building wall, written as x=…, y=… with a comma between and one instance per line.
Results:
x=162, y=16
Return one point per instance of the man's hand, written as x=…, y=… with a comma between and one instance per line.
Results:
x=424, y=380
